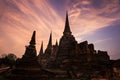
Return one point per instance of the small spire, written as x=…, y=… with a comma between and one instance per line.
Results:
x=33, y=42
x=50, y=40
x=56, y=43
x=41, y=50
x=67, y=27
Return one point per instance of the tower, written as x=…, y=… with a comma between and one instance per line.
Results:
x=56, y=44
x=50, y=40
x=41, y=50
x=31, y=49
x=33, y=42
x=67, y=44
x=28, y=67
x=48, y=50
x=67, y=30
x=40, y=55
x=29, y=59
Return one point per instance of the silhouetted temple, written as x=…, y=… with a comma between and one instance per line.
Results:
x=68, y=59
x=69, y=51
x=28, y=67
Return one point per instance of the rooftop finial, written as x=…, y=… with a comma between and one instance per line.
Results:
x=56, y=43
x=41, y=49
x=50, y=40
x=67, y=27
x=33, y=42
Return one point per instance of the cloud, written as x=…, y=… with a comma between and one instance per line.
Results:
x=86, y=18
x=21, y=18
x=102, y=40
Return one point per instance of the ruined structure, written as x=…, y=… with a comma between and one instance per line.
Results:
x=69, y=51
x=68, y=59
x=71, y=57
x=67, y=45
x=29, y=58
x=28, y=67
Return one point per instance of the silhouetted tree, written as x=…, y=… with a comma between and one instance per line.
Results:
x=8, y=60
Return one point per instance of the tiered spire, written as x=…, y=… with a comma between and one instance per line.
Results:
x=67, y=27
x=48, y=50
x=33, y=42
x=56, y=43
x=31, y=49
x=41, y=50
x=50, y=40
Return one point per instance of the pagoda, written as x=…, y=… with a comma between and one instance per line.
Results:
x=28, y=67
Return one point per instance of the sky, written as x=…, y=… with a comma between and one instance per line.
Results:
x=97, y=21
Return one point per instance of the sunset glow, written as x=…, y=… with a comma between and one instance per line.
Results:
x=97, y=21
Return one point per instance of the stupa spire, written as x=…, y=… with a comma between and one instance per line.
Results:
x=33, y=42
x=56, y=43
x=67, y=27
x=41, y=49
x=50, y=40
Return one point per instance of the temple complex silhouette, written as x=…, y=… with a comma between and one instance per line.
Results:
x=69, y=50
x=66, y=59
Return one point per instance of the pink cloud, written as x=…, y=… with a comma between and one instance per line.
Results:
x=21, y=17
x=86, y=20
x=17, y=27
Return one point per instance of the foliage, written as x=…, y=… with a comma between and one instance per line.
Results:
x=8, y=60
